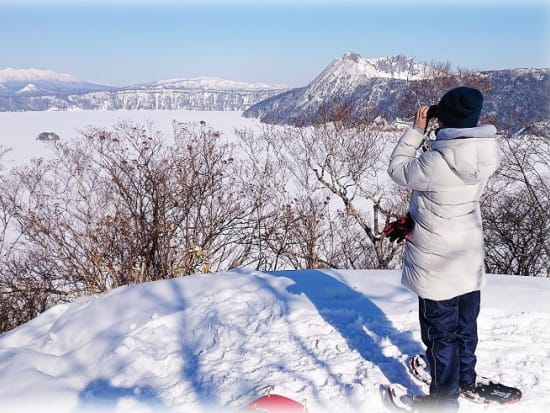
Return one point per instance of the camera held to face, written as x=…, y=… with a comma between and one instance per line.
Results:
x=432, y=112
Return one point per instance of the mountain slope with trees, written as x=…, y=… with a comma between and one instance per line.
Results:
x=514, y=99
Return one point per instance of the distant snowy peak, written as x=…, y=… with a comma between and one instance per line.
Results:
x=389, y=67
x=30, y=88
x=402, y=67
x=209, y=83
x=38, y=82
x=33, y=89
x=348, y=71
x=31, y=75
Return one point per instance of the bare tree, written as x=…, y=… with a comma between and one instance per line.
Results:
x=211, y=194
x=119, y=206
x=19, y=300
x=264, y=182
x=516, y=209
x=337, y=173
x=5, y=209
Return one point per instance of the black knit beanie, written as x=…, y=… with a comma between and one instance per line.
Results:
x=460, y=107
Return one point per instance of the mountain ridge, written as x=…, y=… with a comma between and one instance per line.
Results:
x=392, y=67
x=32, y=74
x=36, y=89
x=207, y=83
x=373, y=85
x=515, y=95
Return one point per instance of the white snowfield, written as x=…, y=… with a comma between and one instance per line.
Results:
x=19, y=130
x=199, y=343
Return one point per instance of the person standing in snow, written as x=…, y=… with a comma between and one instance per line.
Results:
x=444, y=251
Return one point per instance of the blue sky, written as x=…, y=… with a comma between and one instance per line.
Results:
x=287, y=42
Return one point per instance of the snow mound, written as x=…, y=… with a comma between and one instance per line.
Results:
x=201, y=343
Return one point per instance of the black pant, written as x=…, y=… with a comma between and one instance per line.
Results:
x=449, y=331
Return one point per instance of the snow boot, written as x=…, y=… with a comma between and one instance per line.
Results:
x=487, y=391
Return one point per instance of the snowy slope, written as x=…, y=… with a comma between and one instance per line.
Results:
x=195, y=344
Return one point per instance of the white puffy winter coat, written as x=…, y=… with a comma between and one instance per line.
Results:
x=444, y=255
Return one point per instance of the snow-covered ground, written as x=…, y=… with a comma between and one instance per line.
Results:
x=196, y=344
x=201, y=343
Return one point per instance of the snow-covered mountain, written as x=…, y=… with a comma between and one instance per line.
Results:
x=377, y=79
x=206, y=83
x=28, y=75
x=36, y=82
x=351, y=69
x=203, y=343
x=377, y=86
x=32, y=89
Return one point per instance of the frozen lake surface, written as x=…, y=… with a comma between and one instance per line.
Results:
x=19, y=130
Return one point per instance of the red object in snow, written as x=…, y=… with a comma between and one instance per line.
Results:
x=274, y=403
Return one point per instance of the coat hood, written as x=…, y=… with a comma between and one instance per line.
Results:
x=472, y=153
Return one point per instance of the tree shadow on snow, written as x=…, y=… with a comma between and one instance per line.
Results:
x=363, y=325
x=102, y=396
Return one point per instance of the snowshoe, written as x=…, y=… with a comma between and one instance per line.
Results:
x=401, y=400
x=419, y=368
x=483, y=391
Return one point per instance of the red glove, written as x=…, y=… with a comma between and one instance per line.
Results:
x=399, y=230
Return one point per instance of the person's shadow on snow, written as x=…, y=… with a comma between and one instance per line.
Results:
x=363, y=325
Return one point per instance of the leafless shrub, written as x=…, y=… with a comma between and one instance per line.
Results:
x=211, y=194
x=336, y=175
x=20, y=299
x=119, y=207
x=516, y=209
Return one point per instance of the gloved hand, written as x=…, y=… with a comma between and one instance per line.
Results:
x=399, y=230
